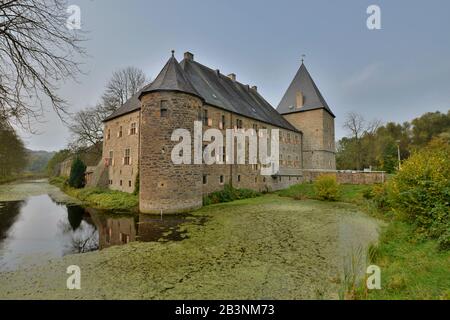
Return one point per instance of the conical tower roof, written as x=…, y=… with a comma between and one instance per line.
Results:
x=171, y=78
x=312, y=98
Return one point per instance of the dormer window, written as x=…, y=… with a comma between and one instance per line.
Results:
x=299, y=99
x=164, y=108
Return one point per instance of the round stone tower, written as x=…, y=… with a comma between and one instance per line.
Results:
x=170, y=102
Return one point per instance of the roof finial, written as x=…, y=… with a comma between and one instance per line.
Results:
x=173, y=53
x=303, y=57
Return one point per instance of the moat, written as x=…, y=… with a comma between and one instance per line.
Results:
x=38, y=227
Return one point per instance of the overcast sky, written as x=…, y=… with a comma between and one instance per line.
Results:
x=393, y=74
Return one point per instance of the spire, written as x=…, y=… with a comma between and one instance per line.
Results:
x=304, y=84
x=171, y=78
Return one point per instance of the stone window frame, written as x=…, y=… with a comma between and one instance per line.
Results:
x=239, y=178
x=205, y=179
x=163, y=108
x=127, y=157
x=111, y=158
x=222, y=123
x=120, y=133
x=133, y=128
x=221, y=179
x=205, y=118
x=108, y=135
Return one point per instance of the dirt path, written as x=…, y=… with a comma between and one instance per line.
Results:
x=263, y=248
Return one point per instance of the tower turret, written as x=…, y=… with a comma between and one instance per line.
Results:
x=170, y=102
x=305, y=108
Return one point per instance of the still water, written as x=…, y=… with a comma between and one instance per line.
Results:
x=41, y=228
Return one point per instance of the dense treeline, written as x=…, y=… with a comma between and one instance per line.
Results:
x=375, y=146
x=13, y=155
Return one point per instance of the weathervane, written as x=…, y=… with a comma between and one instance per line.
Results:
x=303, y=57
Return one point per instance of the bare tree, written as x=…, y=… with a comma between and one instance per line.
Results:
x=87, y=127
x=123, y=85
x=355, y=124
x=37, y=52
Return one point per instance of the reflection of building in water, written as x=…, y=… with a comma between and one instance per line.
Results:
x=113, y=230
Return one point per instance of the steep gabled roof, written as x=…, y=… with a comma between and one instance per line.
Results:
x=171, y=78
x=312, y=98
x=221, y=91
x=213, y=88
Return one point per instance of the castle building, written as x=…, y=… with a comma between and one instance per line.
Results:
x=137, y=136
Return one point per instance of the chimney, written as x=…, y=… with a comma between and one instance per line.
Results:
x=232, y=76
x=188, y=56
x=255, y=88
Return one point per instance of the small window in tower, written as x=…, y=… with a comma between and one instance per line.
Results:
x=120, y=132
x=239, y=178
x=221, y=179
x=205, y=117
x=164, y=108
x=205, y=179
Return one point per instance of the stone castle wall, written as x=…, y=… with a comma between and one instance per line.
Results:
x=165, y=186
x=121, y=176
x=318, y=138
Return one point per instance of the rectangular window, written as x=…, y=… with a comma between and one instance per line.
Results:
x=221, y=179
x=205, y=117
x=109, y=134
x=120, y=132
x=110, y=159
x=205, y=179
x=120, y=182
x=129, y=183
x=133, y=129
x=164, y=108
x=222, y=123
x=127, y=158
x=239, y=178
x=239, y=123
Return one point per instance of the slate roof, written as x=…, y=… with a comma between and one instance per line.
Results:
x=171, y=78
x=312, y=98
x=213, y=88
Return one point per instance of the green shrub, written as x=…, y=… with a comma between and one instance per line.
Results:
x=420, y=191
x=229, y=194
x=378, y=194
x=77, y=171
x=326, y=188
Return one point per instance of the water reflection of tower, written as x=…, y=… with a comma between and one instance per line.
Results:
x=114, y=230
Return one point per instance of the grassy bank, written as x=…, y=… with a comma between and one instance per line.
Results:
x=410, y=268
x=348, y=192
x=99, y=198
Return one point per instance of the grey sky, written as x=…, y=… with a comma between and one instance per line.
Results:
x=393, y=74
